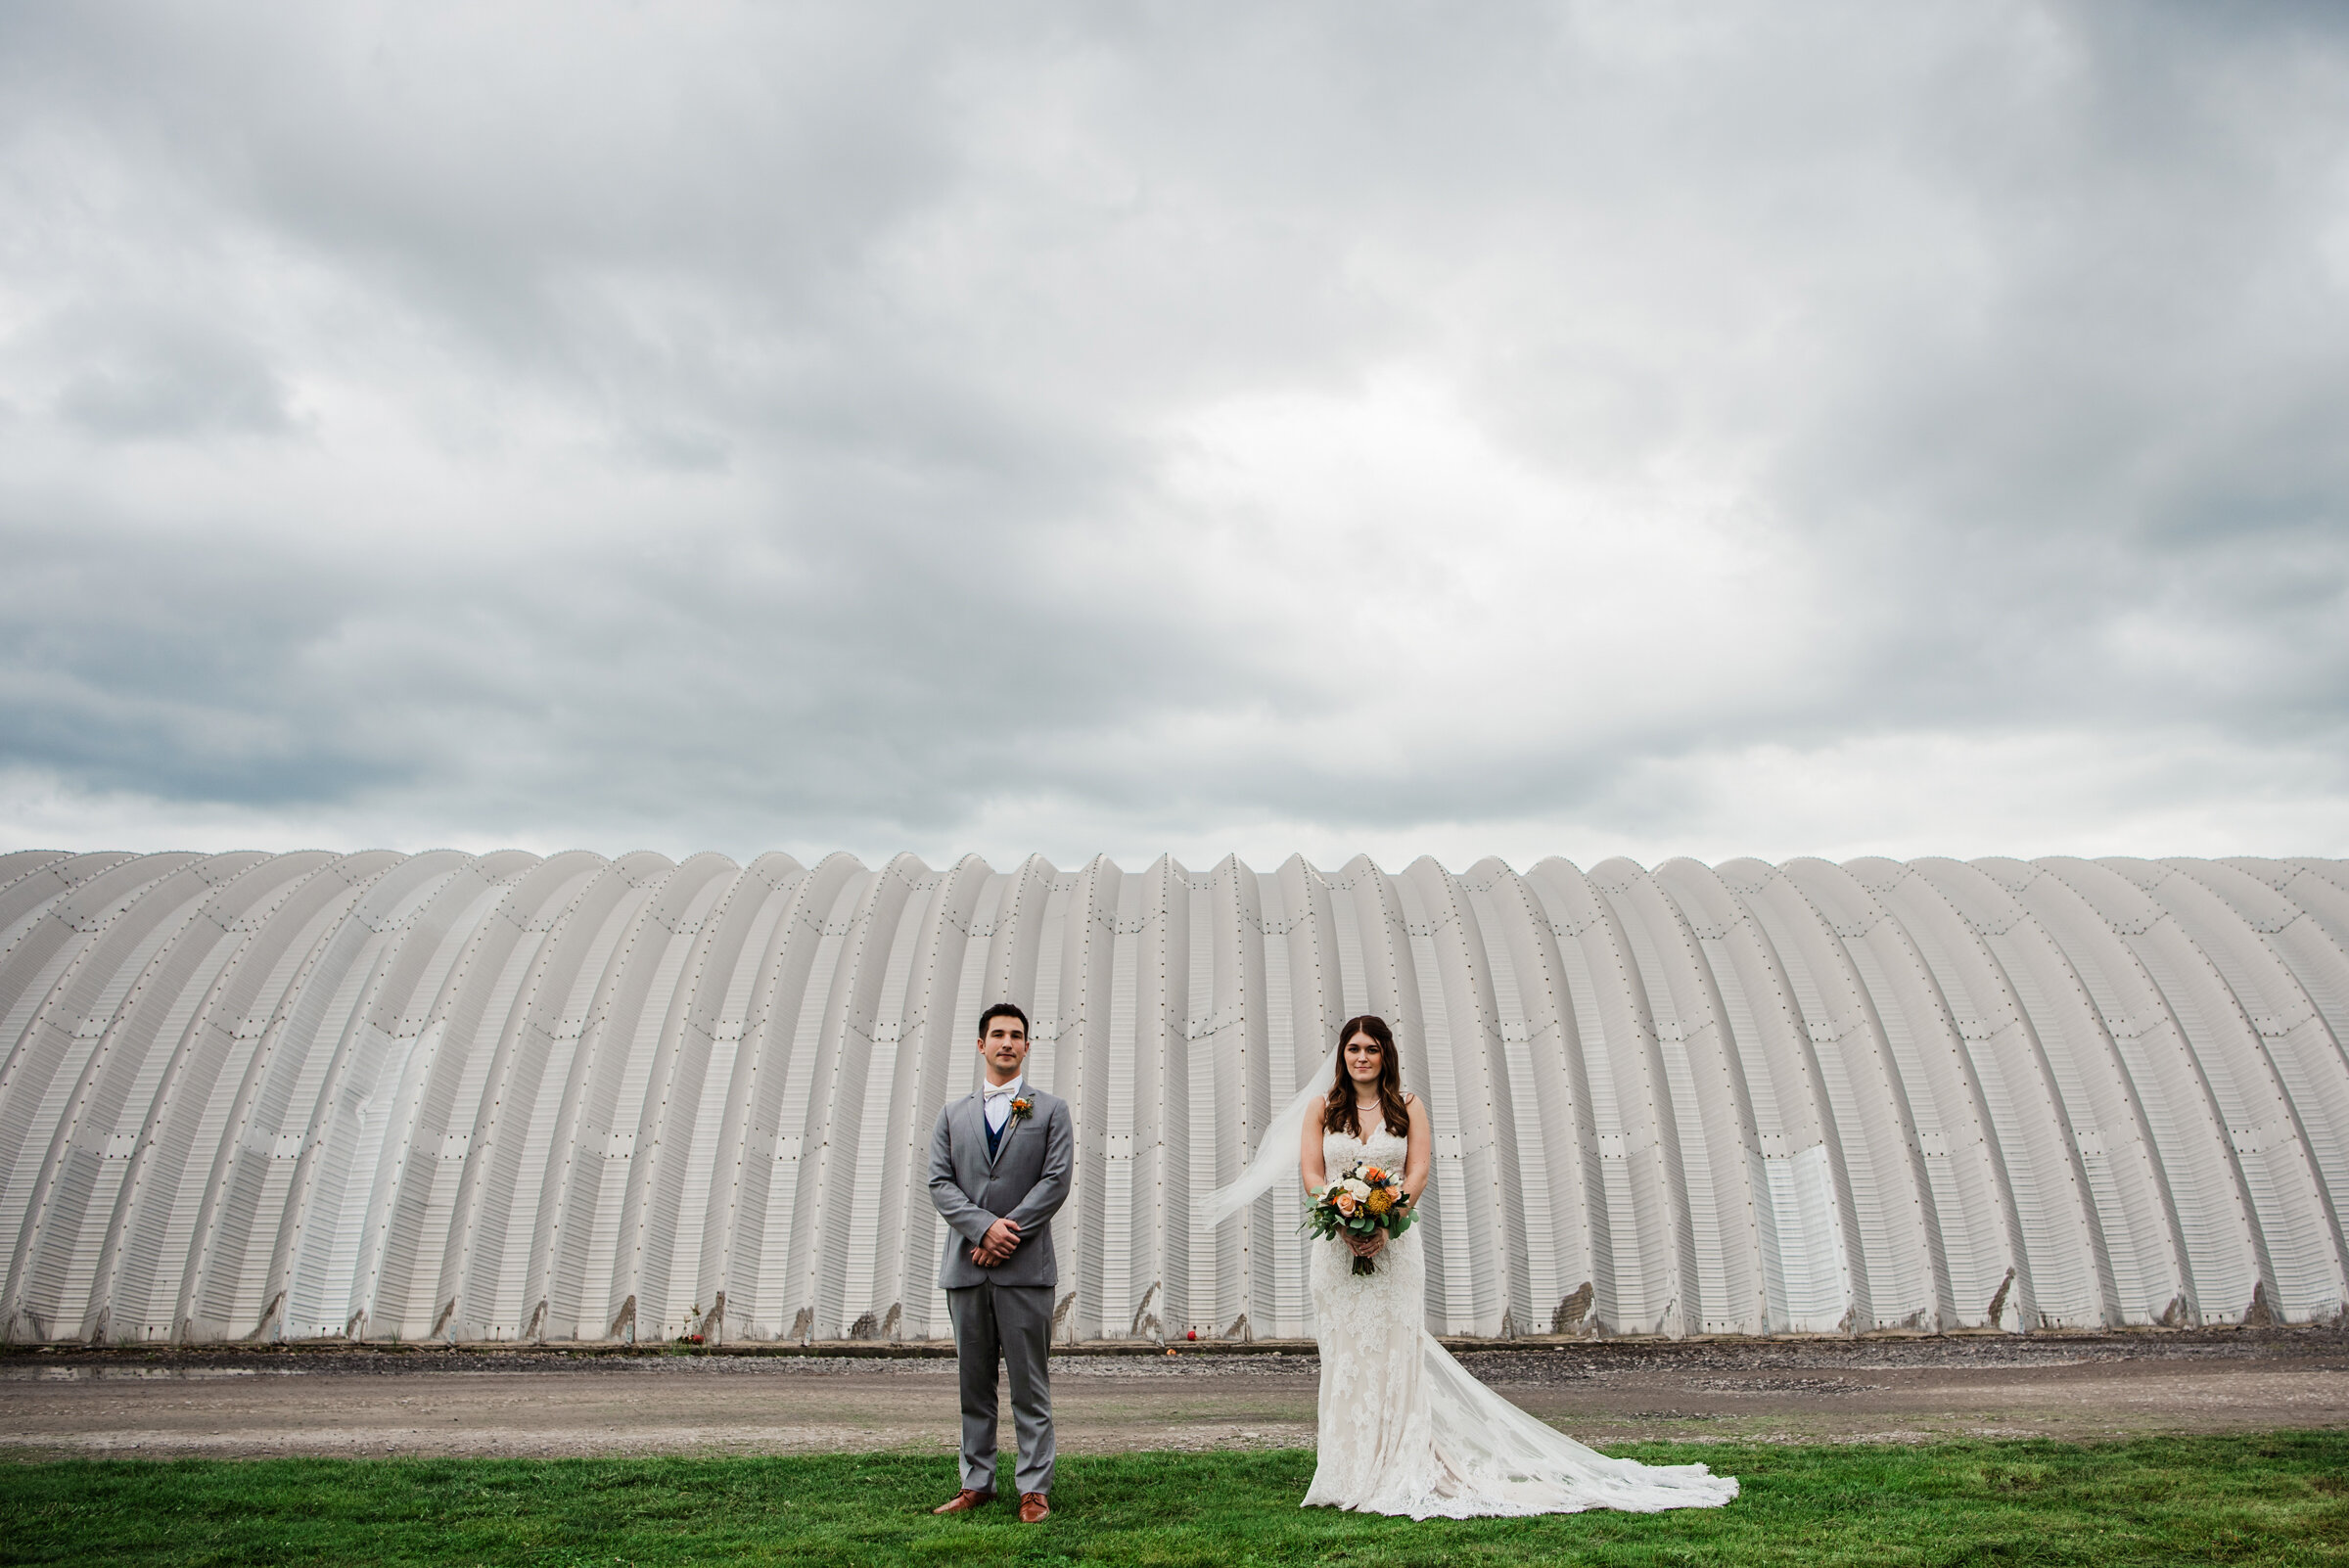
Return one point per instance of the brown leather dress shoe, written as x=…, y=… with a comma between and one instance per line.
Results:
x=1034, y=1508
x=964, y=1502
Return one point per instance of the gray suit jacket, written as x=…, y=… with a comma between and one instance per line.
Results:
x=1026, y=1181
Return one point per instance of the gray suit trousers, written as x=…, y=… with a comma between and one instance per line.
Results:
x=1009, y=1324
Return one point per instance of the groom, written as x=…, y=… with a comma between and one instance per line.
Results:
x=999, y=1167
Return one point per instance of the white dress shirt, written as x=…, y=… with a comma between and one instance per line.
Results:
x=998, y=1101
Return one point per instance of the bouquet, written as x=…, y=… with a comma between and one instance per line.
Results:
x=1366, y=1198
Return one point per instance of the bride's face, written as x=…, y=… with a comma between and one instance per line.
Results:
x=1362, y=1058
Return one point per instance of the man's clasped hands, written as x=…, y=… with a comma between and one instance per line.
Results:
x=995, y=1248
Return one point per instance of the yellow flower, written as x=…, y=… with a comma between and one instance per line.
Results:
x=1381, y=1201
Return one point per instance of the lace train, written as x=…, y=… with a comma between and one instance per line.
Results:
x=1405, y=1428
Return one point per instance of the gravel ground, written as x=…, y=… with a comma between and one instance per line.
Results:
x=236, y=1402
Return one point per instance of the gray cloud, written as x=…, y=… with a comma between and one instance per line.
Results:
x=1137, y=428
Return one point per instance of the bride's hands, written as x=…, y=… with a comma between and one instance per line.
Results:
x=1367, y=1246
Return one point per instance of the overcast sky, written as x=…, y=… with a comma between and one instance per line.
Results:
x=1464, y=430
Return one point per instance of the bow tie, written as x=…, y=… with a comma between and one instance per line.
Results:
x=1005, y=1092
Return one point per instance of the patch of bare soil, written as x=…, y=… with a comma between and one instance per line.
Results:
x=357, y=1402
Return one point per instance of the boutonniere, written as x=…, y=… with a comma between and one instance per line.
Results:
x=1021, y=1107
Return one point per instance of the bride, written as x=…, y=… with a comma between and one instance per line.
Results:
x=1404, y=1429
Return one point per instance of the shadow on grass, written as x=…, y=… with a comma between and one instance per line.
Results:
x=2279, y=1498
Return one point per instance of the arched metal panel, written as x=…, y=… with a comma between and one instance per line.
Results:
x=1972, y=1209
x=450, y=1096
x=62, y=1238
x=1802, y=1192
x=2252, y=937
x=2226, y=1250
x=2274, y=1064
x=1643, y=1201
x=1900, y=1280
x=2107, y=1133
x=1547, y=1105
x=1712, y=1110
x=483, y=1137
x=2056, y=1269
x=756, y=1231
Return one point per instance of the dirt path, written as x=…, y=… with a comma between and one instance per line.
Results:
x=359, y=1402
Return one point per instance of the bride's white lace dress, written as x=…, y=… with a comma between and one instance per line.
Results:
x=1405, y=1430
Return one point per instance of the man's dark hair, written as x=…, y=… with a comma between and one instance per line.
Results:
x=1001, y=1010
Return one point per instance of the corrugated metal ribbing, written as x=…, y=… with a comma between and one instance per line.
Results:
x=2024, y=1143
x=2296, y=1043
x=1973, y=1206
x=1899, y=1279
x=1711, y=1112
x=504, y=1097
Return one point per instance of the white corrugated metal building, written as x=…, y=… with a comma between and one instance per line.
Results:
x=499, y=1097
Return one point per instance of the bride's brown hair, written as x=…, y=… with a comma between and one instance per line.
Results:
x=1339, y=1113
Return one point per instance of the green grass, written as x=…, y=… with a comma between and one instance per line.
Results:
x=2279, y=1498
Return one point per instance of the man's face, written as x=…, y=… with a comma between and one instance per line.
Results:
x=1005, y=1047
